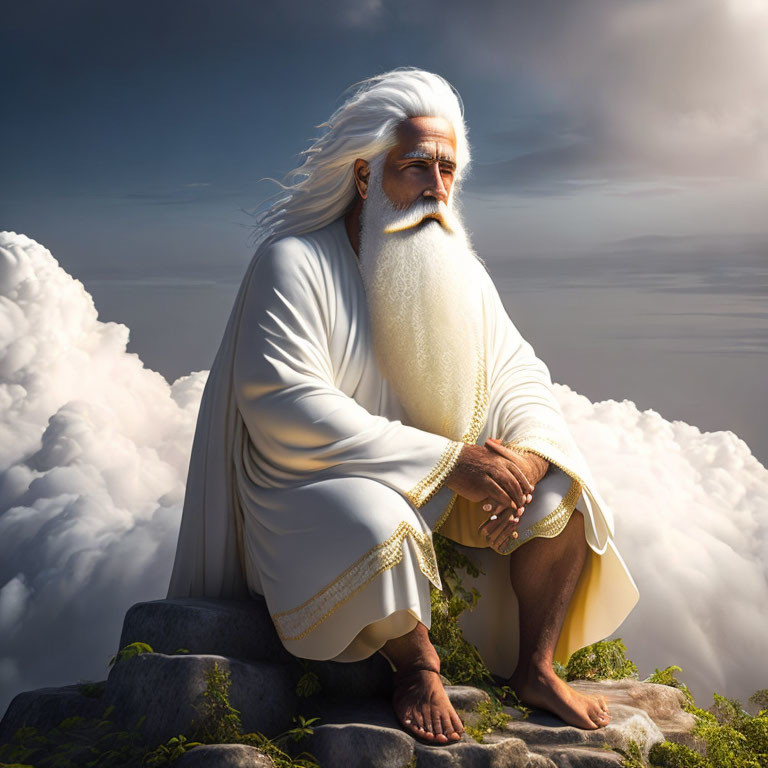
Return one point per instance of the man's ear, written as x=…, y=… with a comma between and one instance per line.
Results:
x=362, y=173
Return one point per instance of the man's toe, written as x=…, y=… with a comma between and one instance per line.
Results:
x=426, y=714
x=417, y=721
x=456, y=725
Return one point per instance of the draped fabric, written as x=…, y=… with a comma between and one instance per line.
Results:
x=308, y=486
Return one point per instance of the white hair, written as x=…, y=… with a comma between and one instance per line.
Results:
x=322, y=187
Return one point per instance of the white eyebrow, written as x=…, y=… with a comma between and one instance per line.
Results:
x=428, y=155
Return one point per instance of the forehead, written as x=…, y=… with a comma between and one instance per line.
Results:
x=429, y=135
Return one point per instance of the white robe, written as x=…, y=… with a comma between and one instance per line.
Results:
x=308, y=486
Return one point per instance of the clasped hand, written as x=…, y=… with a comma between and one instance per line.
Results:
x=502, y=480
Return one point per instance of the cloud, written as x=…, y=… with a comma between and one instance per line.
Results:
x=692, y=527
x=94, y=449
x=625, y=90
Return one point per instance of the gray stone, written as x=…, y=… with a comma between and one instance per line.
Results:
x=356, y=745
x=549, y=732
x=224, y=756
x=465, y=696
x=581, y=757
x=243, y=629
x=467, y=753
x=663, y=704
x=240, y=629
x=167, y=688
x=357, y=726
x=45, y=708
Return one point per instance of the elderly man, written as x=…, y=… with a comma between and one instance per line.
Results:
x=369, y=390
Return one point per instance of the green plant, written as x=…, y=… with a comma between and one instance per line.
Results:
x=76, y=741
x=632, y=755
x=91, y=689
x=219, y=721
x=129, y=651
x=560, y=670
x=492, y=717
x=760, y=698
x=169, y=752
x=728, y=736
x=309, y=682
x=604, y=660
x=672, y=755
x=460, y=661
x=733, y=738
x=666, y=676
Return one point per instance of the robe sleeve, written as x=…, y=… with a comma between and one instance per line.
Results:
x=299, y=422
x=527, y=413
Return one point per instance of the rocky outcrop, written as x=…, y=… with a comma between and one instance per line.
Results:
x=357, y=726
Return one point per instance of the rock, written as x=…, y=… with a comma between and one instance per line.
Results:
x=240, y=629
x=45, y=708
x=581, y=757
x=356, y=726
x=224, y=756
x=467, y=753
x=465, y=696
x=541, y=739
x=662, y=703
x=547, y=734
x=357, y=745
x=167, y=688
x=243, y=629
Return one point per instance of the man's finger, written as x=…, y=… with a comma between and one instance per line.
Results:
x=512, y=458
x=497, y=494
x=525, y=484
x=514, y=485
x=505, y=530
x=494, y=509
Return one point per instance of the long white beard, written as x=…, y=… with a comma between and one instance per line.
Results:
x=426, y=319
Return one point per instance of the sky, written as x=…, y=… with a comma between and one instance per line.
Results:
x=618, y=195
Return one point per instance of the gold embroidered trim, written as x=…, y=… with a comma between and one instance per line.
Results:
x=298, y=622
x=554, y=523
x=423, y=491
x=444, y=516
x=516, y=445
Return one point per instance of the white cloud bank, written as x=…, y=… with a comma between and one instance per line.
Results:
x=94, y=450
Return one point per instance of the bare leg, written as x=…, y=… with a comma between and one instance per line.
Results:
x=544, y=573
x=419, y=700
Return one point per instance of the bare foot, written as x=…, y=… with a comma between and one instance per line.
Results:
x=545, y=690
x=422, y=706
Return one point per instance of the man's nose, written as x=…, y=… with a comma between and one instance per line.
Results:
x=436, y=186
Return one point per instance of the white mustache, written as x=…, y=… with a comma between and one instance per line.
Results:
x=426, y=208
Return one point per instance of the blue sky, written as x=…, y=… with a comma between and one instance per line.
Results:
x=618, y=191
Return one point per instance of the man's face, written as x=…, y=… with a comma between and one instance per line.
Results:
x=423, y=164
